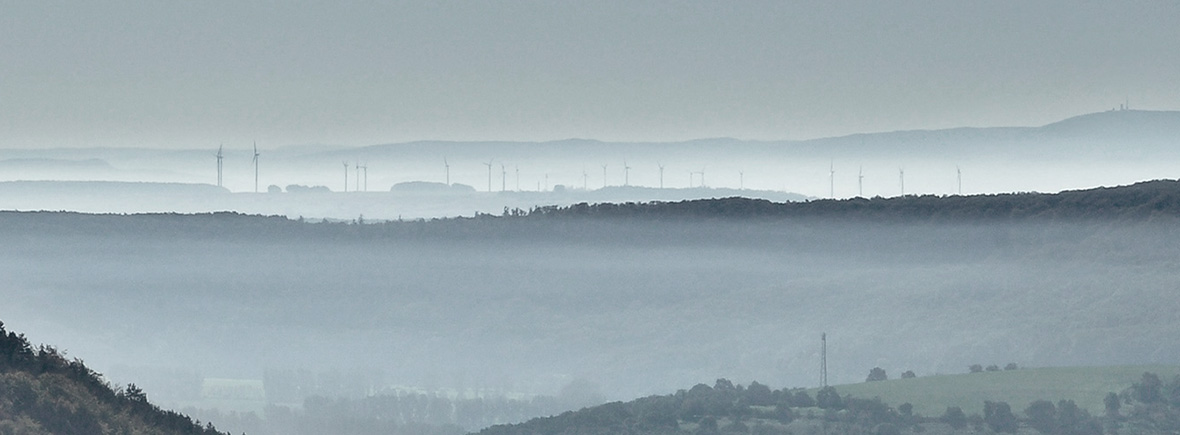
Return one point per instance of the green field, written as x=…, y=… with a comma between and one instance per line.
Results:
x=931, y=395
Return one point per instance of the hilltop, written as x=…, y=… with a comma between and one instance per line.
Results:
x=43, y=392
x=1014, y=401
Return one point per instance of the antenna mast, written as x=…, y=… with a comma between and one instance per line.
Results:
x=823, y=360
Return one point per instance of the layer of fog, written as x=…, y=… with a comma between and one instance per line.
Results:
x=633, y=308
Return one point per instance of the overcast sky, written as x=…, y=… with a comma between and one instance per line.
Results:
x=194, y=74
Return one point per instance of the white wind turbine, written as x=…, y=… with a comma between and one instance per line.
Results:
x=489, y=165
x=256, y=166
x=345, y=176
x=219, y=158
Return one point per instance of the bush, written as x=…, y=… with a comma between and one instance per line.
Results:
x=955, y=417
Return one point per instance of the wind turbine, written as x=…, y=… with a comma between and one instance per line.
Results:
x=489, y=165
x=832, y=179
x=345, y=176
x=517, y=167
x=661, y=174
x=901, y=177
x=703, y=177
x=358, y=175
x=448, y=166
x=256, y=166
x=219, y=157
x=604, y=176
x=959, y=173
x=626, y=174
x=503, y=178
x=741, y=180
x=860, y=182
x=585, y=179
x=546, y=181
x=365, y=167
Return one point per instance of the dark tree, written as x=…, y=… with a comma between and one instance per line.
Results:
x=1042, y=416
x=1011, y=366
x=801, y=400
x=759, y=395
x=955, y=417
x=993, y=368
x=908, y=374
x=975, y=368
x=998, y=416
x=1113, y=403
x=877, y=374
x=1147, y=390
x=906, y=410
x=828, y=398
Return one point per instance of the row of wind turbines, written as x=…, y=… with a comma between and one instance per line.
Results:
x=860, y=180
x=221, y=158
x=362, y=175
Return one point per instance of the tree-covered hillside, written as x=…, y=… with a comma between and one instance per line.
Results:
x=1147, y=407
x=43, y=392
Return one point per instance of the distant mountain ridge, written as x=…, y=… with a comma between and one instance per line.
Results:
x=1157, y=128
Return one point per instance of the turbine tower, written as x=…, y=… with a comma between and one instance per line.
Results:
x=832, y=179
x=517, y=177
x=741, y=180
x=585, y=179
x=219, y=158
x=823, y=360
x=661, y=174
x=860, y=182
x=503, y=178
x=448, y=167
x=256, y=166
x=603, y=176
x=626, y=174
x=365, y=167
x=358, y=175
x=959, y=174
x=901, y=178
x=345, y=176
x=489, y=165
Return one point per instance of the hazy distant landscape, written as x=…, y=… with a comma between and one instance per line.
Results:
x=590, y=218
x=625, y=301
x=1100, y=149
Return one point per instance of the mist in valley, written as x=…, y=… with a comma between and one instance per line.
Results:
x=617, y=308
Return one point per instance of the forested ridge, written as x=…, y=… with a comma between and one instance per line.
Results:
x=43, y=392
x=1150, y=406
x=1151, y=200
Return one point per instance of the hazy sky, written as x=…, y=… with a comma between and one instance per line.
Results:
x=193, y=74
